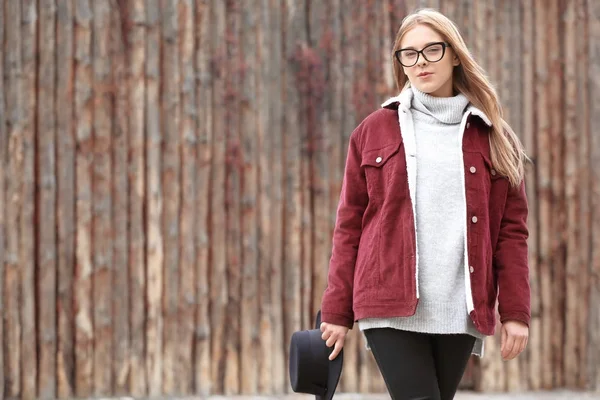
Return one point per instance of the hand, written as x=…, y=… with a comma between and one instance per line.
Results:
x=334, y=335
x=514, y=339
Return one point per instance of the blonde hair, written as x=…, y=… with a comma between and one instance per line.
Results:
x=507, y=152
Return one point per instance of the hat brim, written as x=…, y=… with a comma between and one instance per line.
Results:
x=335, y=368
x=335, y=372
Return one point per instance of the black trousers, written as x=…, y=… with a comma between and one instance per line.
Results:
x=420, y=366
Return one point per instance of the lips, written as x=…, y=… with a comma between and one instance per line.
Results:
x=423, y=74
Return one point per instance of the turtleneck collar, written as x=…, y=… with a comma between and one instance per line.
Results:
x=447, y=110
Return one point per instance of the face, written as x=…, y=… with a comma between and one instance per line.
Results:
x=434, y=78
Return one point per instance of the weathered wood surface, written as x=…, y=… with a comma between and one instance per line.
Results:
x=170, y=171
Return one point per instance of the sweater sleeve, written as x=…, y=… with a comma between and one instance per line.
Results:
x=511, y=258
x=336, y=307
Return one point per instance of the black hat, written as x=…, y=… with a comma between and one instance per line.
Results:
x=311, y=371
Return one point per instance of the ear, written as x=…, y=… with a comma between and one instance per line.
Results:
x=455, y=61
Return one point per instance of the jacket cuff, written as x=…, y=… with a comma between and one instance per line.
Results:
x=520, y=316
x=337, y=319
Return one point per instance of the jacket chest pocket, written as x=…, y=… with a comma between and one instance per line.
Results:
x=381, y=166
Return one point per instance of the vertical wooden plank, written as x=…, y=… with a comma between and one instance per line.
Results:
x=102, y=203
x=493, y=377
x=572, y=189
x=120, y=367
x=65, y=201
x=249, y=208
x=325, y=31
x=136, y=48
x=84, y=157
x=585, y=251
x=294, y=25
x=557, y=225
x=3, y=168
x=264, y=77
x=188, y=139
x=515, y=371
x=218, y=272
x=202, y=342
x=232, y=197
x=544, y=188
x=277, y=210
x=29, y=343
x=534, y=346
x=594, y=195
x=46, y=201
x=170, y=176
x=12, y=263
x=154, y=203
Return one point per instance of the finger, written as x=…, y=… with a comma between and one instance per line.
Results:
x=518, y=342
x=508, y=347
x=323, y=326
x=331, y=341
x=336, y=350
x=503, y=341
x=523, y=345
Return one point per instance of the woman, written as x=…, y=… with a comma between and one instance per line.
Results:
x=431, y=222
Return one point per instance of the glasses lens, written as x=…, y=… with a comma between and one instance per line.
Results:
x=434, y=52
x=408, y=57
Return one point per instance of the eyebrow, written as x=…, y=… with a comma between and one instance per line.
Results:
x=426, y=44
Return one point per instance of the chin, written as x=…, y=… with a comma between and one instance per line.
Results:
x=427, y=88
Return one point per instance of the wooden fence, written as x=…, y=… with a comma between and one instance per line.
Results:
x=170, y=171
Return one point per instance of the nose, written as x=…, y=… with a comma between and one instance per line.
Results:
x=421, y=61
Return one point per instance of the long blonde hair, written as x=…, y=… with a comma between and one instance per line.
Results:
x=507, y=152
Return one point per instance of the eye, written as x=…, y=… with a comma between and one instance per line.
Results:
x=409, y=54
x=436, y=49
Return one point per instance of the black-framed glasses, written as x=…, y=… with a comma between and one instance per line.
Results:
x=433, y=52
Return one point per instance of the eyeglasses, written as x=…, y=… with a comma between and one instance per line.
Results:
x=433, y=52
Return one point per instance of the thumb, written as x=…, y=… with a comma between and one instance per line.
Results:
x=503, y=340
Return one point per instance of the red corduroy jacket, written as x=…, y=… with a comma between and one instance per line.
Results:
x=373, y=267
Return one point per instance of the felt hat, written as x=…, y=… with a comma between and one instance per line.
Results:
x=310, y=369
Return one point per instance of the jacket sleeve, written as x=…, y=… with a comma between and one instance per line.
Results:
x=336, y=307
x=511, y=255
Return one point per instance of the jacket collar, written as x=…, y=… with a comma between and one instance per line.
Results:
x=404, y=100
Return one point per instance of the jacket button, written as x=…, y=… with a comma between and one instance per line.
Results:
x=472, y=169
x=468, y=125
x=471, y=269
x=378, y=159
x=493, y=172
x=474, y=219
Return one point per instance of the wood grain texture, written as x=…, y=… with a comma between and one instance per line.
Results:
x=3, y=167
x=593, y=370
x=102, y=200
x=294, y=50
x=233, y=176
x=65, y=200
x=154, y=203
x=84, y=157
x=249, y=108
x=543, y=195
x=135, y=39
x=264, y=76
x=188, y=139
x=276, y=281
x=14, y=200
x=202, y=339
x=218, y=265
x=169, y=153
x=121, y=300
x=27, y=224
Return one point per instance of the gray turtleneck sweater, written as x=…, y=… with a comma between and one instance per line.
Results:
x=439, y=207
